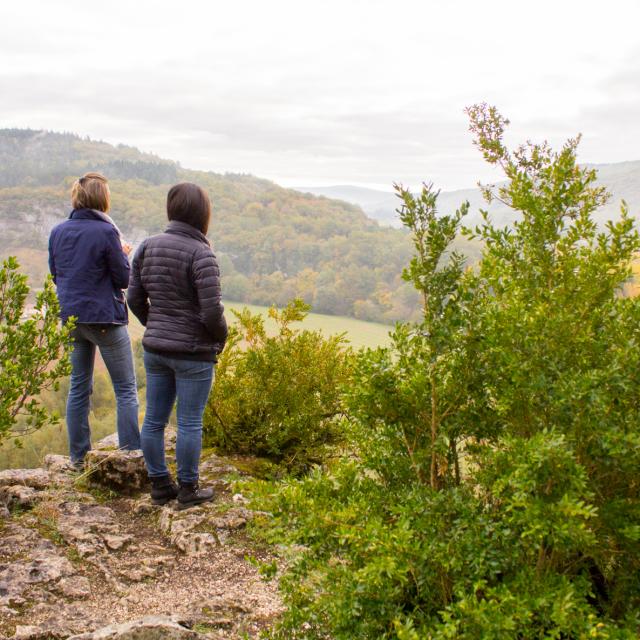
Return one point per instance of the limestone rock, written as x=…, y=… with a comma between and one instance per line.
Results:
x=108, y=442
x=17, y=539
x=143, y=505
x=75, y=587
x=181, y=527
x=198, y=530
x=214, y=466
x=87, y=527
x=148, y=628
x=35, y=478
x=18, y=496
x=41, y=567
x=57, y=464
x=61, y=621
x=114, y=542
x=111, y=441
x=36, y=632
x=48, y=566
x=123, y=471
x=196, y=543
x=137, y=575
x=233, y=519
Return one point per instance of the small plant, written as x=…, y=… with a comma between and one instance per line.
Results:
x=267, y=570
x=278, y=396
x=47, y=515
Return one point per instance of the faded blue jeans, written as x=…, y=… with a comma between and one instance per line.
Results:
x=115, y=347
x=190, y=382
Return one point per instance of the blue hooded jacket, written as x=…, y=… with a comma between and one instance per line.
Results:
x=89, y=268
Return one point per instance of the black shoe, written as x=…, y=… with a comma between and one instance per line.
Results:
x=163, y=489
x=190, y=495
x=77, y=466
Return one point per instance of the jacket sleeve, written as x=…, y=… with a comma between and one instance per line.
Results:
x=117, y=261
x=206, y=279
x=52, y=262
x=137, y=296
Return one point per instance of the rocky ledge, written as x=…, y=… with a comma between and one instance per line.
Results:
x=88, y=556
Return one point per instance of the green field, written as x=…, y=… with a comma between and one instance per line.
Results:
x=358, y=332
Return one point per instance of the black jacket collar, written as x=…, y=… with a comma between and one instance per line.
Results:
x=185, y=229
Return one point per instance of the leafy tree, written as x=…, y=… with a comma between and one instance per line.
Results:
x=33, y=351
x=559, y=343
x=494, y=493
x=407, y=399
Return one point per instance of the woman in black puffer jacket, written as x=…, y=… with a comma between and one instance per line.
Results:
x=175, y=293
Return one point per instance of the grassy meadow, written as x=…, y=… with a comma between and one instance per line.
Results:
x=358, y=332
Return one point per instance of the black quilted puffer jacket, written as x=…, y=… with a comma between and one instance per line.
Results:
x=174, y=291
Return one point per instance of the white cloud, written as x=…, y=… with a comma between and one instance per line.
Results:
x=332, y=92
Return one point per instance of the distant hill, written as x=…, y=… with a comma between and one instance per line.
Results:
x=272, y=243
x=377, y=204
x=622, y=179
x=40, y=157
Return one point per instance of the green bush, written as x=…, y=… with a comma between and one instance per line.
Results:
x=278, y=396
x=495, y=489
x=34, y=351
x=32, y=446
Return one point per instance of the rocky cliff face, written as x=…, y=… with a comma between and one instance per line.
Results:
x=88, y=556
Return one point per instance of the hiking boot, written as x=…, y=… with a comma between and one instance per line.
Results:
x=190, y=495
x=163, y=489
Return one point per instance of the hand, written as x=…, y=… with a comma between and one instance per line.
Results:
x=127, y=248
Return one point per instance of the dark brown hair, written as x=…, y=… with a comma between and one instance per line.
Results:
x=91, y=192
x=189, y=203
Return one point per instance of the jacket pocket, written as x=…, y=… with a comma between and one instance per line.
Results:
x=119, y=307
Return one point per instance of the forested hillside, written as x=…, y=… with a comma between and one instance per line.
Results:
x=272, y=243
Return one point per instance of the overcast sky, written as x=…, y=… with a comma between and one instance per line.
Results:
x=320, y=93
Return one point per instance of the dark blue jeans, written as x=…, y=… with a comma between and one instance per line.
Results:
x=115, y=347
x=190, y=382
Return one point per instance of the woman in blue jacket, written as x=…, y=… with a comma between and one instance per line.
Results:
x=89, y=264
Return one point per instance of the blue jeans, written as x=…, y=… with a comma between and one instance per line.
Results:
x=189, y=381
x=115, y=347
